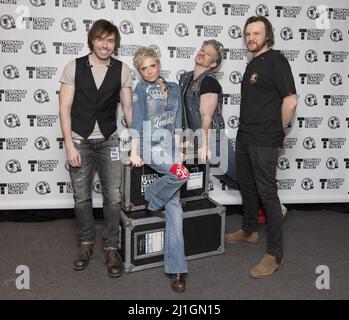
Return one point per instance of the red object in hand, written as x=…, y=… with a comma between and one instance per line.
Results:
x=180, y=171
x=262, y=216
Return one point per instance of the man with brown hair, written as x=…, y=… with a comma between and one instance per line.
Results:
x=91, y=87
x=268, y=103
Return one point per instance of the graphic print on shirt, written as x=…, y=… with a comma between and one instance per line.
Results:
x=153, y=93
x=253, y=78
x=159, y=118
x=163, y=119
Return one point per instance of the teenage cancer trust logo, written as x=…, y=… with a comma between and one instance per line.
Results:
x=42, y=143
x=154, y=6
x=10, y=72
x=182, y=30
x=262, y=10
x=12, y=121
x=209, y=9
x=68, y=24
x=307, y=184
x=7, y=22
x=38, y=47
x=309, y=143
x=41, y=96
x=13, y=166
x=235, y=77
x=42, y=188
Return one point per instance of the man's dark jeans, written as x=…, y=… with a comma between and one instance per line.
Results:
x=256, y=173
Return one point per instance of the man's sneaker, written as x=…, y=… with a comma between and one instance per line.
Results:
x=267, y=267
x=83, y=257
x=241, y=236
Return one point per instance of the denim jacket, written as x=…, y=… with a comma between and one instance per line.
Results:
x=149, y=104
x=191, y=107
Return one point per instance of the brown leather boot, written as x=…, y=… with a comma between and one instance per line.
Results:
x=241, y=236
x=267, y=267
x=114, y=263
x=83, y=257
x=178, y=282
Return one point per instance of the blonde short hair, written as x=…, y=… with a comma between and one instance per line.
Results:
x=219, y=50
x=143, y=53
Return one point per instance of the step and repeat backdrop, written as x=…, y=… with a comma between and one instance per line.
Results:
x=39, y=37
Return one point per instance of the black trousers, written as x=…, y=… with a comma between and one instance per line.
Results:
x=256, y=174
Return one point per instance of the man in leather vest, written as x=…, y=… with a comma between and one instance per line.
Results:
x=202, y=99
x=91, y=87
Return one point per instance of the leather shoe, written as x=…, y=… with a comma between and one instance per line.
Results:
x=83, y=257
x=178, y=282
x=114, y=263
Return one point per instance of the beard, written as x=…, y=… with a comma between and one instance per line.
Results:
x=257, y=47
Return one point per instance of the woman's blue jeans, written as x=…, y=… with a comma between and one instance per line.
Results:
x=165, y=193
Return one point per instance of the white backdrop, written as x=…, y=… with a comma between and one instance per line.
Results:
x=38, y=38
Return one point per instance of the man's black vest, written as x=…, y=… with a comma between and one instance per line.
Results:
x=90, y=104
